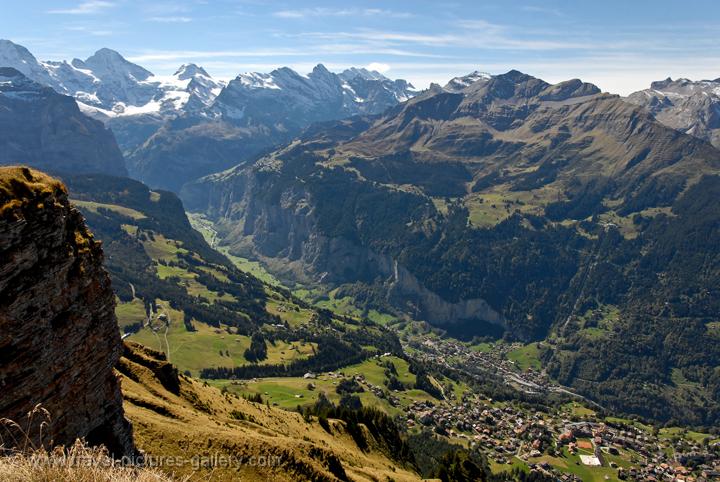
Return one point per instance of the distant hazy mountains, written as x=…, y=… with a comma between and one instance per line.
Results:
x=690, y=106
x=254, y=113
x=47, y=130
x=177, y=128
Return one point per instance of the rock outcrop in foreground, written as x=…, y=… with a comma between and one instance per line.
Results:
x=59, y=339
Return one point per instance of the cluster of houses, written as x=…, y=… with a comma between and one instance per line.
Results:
x=508, y=432
x=501, y=433
x=635, y=453
x=454, y=354
x=378, y=391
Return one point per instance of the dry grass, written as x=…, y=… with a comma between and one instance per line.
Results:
x=22, y=437
x=79, y=463
x=25, y=458
x=200, y=420
x=19, y=185
x=27, y=180
x=189, y=433
x=94, y=207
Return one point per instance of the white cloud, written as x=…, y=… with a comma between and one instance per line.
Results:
x=165, y=8
x=314, y=52
x=90, y=31
x=183, y=55
x=172, y=19
x=377, y=36
x=289, y=14
x=369, y=48
x=548, y=11
x=340, y=12
x=472, y=34
x=85, y=8
x=378, y=67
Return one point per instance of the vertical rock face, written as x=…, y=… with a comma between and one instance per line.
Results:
x=59, y=339
x=46, y=130
x=287, y=228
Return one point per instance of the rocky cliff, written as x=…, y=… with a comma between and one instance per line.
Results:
x=59, y=339
x=284, y=232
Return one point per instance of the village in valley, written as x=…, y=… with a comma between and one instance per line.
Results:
x=492, y=397
x=571, y=442
x=556, y=444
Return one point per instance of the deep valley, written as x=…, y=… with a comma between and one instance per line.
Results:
x=339, y=276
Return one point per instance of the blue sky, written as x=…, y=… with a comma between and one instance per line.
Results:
x=619, y=45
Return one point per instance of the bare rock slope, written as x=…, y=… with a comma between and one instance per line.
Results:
x=47, y=130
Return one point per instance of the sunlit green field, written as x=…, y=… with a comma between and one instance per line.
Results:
x=526, y=357
x=207, y=347
x=289, y=392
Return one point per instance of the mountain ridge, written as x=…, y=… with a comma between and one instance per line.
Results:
x=689, y=106
x=254, y=113
x=505, y=192
x=48, y=131
x=173, y=129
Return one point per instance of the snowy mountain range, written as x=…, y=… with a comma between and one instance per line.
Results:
x=256, y=112
x=208, y=123
x=298, y=100
x=106, y=85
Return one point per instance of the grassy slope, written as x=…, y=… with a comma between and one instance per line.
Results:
x=96, y=206
x=189, y=350
x=289, y=392
x=213, y=347
x=208, y=347
x=198, y=420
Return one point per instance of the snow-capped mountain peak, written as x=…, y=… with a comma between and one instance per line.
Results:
x=362, y=72
x=12, y=52
x=319, y=95
x=106, y=85
x=20, y=58
x=109, y=63
x=459, y=83
x=320, y=69
x=188, y=71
